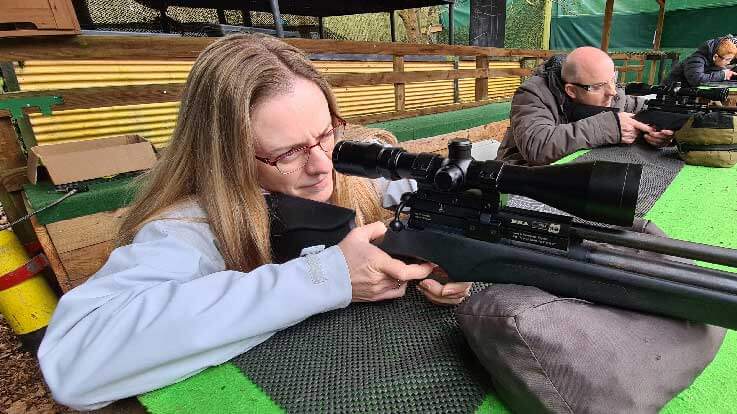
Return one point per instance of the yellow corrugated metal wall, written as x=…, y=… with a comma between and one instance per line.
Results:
x=156, y=121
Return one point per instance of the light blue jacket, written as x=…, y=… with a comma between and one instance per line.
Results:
x=164, y=308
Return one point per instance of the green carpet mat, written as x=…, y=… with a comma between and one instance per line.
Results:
x=103, y=195
x=681, y=212
x=425, y=126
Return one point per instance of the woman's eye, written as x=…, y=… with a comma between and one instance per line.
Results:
x=291, y=154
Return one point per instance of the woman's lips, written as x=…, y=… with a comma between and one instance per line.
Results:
x=320, y=185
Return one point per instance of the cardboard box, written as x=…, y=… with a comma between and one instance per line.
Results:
x=37, y=17
x=85, y=160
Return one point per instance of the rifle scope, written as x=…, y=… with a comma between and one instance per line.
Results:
x=600, y=191
x=676, y=90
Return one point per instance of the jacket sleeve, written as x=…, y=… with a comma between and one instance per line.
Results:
x=694, y=69
x=164, y=308
x=541, y=140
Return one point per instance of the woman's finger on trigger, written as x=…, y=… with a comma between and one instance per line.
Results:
x=432, y=287
x=455, y=288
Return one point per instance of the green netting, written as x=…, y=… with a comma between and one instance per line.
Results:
x=461, y=14
x=687, y=23
x=596, y=7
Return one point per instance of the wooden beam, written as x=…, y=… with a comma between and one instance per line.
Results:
x=659, y=27
x=607, y=25
x=631, y=68
x=378, y=78
x=481, y=87
x=368, y=119
x=103, y=96
x=87, y=47
x=398, y=63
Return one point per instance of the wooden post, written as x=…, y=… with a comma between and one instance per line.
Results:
x=7, y=72
x=12, y=176
x=623, y=72
x=651, y=74
x=246, y=15
x=393, y=26
x=456, y=82
x=164, y=19
x=659, y=27
x=321, y=27
x=640, y=72
x=451, y=34
x=607, y=25
x=482, y=84
x=398, y=62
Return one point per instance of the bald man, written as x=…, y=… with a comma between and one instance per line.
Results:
x=544, y=125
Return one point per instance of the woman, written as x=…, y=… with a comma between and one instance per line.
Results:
x=191, y=284
x=707, y=64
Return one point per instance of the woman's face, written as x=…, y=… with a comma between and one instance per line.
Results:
x=284, y=125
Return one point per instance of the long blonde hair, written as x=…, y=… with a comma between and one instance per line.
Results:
x=211, y=156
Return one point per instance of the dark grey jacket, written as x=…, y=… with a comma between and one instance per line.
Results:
x=539, y=131
x=699, y=67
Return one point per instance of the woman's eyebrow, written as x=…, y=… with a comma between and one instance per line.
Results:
x=283, y=149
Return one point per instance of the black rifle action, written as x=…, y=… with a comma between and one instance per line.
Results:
x=457, y=220
x=672, y=106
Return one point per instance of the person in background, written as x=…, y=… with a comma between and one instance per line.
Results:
x=543, y=128
x=711, y=62
x=191, y=283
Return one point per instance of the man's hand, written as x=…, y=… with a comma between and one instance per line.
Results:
x=729, y=75
x=659, y=138
x=630, y=128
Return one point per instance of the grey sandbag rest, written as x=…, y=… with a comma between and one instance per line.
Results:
x=562, y=355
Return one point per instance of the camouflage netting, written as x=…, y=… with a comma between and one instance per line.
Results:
x=130, y=16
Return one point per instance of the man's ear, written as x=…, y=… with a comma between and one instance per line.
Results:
x=570, y=90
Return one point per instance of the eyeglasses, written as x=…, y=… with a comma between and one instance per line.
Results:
x=296, y=158
x=598, y=87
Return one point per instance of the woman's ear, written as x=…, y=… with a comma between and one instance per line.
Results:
x=570, y=90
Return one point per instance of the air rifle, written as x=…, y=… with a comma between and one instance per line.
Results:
x=672, y=106
x=457, y=220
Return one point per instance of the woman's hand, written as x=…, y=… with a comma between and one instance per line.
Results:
x=444, y=293
x=374, y=274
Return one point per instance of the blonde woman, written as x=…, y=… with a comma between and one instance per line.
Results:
x=191, y=284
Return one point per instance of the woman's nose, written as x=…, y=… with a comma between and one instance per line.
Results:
x=319, y=162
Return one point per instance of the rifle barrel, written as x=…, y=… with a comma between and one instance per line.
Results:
x=671, y=247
